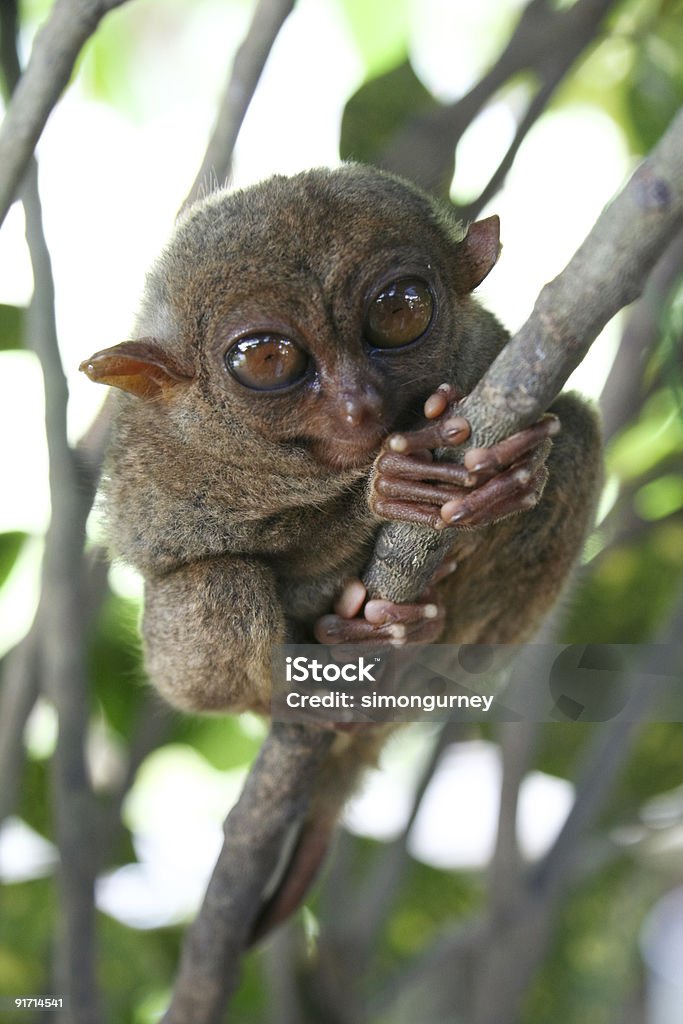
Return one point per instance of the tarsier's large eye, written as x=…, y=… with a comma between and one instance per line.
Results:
x=400, y=313
x=266, y=362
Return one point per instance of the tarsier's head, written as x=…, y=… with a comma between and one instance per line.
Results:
x=319, y=310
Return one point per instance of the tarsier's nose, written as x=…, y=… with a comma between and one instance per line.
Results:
x=361, y=407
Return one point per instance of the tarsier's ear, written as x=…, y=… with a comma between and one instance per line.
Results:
x=478, y=253
x=140, y=367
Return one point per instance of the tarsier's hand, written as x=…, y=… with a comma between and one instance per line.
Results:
x=492, y=483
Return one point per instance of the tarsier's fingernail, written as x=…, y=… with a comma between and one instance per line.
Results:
x=476, y=459
x=458, y=425
x=350, y=600
x=398, y=443
x=435, y=405
x=444, y=387
x=397, y=631
x=523, y=476
x=554, y=427
x=430, y=611
x=455, y=516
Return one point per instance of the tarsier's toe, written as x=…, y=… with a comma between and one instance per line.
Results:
x=485, y=462
x=386, y=623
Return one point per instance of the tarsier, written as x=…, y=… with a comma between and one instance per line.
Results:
x=292, y=370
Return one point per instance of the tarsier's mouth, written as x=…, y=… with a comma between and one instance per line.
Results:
x=348, y=453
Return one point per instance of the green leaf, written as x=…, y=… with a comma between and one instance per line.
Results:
x=629, y=594
x=10, y=546
x=379, y=109
x=34, y=807
x=656, y=435
x=12, y=327
x=222, y=741
x=116, y=664
x=27, y=926
x=655, y=91
x=660, y=498
x=380, y=30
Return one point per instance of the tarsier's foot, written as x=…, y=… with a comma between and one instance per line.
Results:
x=384, y=622
x=492, y=483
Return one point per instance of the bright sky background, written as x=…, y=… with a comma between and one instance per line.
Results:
x=112, y=182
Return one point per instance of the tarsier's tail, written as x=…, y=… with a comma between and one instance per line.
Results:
x=305, y=854
x=300, y=871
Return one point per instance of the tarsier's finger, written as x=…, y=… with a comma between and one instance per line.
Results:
x=438, y=402
x=409, y=512
x=351, y=599
x=507, y=452
x=381, y=612
x=513, y=490
x=412, y=467
x=415, y=490
x=443, y=433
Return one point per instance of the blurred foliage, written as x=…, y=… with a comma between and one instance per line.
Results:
x=381, y=31
x=10, y=546
x=655, y=88
x=378, y=111
x=12, y=327
x=137, y=968
x=116, y=664
x=594, y=962
x=634, y=74
x=27, y=928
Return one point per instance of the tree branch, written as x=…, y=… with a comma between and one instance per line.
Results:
x=17, y=698
x=275, y=796
x=246, y=71
x=54, y=54
x=608, y=271
x=62, y=642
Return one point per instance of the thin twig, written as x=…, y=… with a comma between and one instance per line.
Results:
x=537, y=105
x=623, y=391
x=54, y=54
x=247, y=68
x=374, y=900
x=517, y=741
x=17, y=698
x=545, y=43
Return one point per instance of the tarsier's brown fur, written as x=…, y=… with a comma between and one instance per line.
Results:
x=246, y=513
